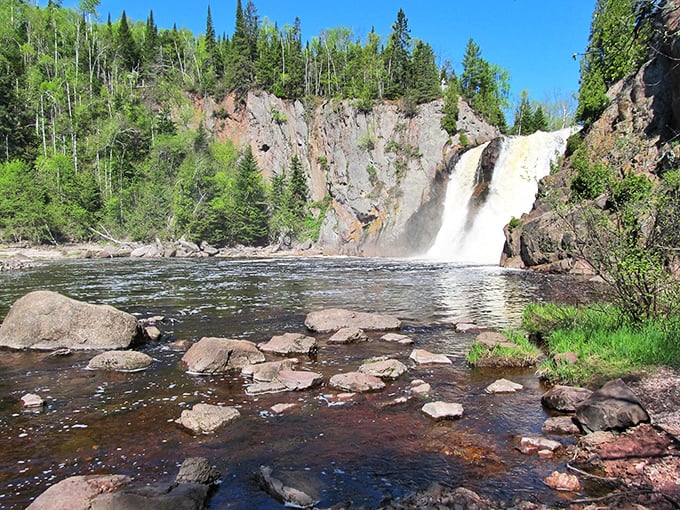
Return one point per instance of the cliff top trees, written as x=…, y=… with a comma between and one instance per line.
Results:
x=619, y=37
x=484, y=86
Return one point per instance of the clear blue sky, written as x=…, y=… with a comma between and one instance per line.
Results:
x=533, y=39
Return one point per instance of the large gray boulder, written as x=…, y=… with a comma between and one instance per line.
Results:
x=47, y=320
x=612, y=407
x=212, y=355
x=77, y=492
x=565, y=399
x=326, y=321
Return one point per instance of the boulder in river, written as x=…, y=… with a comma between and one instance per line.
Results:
x=77, y=492
x=564, y=399
x=32, y=401
x=348, y=336
x=47, y=320
x=423, y=357
x=356, y=382
x=197, y=470
x=212, y=355
x=267, y=371
x=207, y=418
x=289, y=496
x=442, y=410
x=503, y=386
x=388, y=369
x=612, y=407
x=120, y=361
x=326, y=321
x=289, y=343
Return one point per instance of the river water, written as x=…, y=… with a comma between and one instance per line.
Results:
x=364, y=450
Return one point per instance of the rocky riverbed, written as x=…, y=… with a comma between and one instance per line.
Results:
x=638, y=465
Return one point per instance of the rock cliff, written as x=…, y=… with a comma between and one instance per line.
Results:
x=381, y=173
x=634, y=134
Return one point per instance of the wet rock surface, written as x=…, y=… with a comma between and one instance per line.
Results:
x=212, y=355
x=120, y=361
x=47, y=320
x=612, y=407
x=327, y=321
x=207, y=418
x=289, y=343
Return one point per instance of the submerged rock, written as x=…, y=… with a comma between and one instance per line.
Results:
x=207, y=418
x=397, y=338
x=326, y=321
x=197, y=470
x=212, y=355
x=563, y=482
x=612, y=407
x=47, y=320
x=356, y=382
x=287, y=495
x=120, y=361
x=289, y=343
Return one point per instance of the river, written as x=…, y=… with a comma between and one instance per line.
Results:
x=363, y=451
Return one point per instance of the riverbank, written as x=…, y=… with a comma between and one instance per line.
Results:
x=21, y=255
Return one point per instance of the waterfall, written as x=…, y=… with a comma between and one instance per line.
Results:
x=472, y=232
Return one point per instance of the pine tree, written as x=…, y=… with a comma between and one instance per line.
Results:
x=397, y=58
x=524, y=116
x=450, y=109
x=241, y=68
x=250, y=221
x=540, y=121
x=297, y=188
x=150, y=47
x=425, y=81
x=128, y=52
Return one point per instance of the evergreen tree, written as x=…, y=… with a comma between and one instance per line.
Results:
x=450, y=109
x=128, y=52
x=250, y=221
x=150, y=46
x=297, y=188
x=524, y=116
x=425, y=81
x=397, y=58
x=241, y=68
x=540, y=121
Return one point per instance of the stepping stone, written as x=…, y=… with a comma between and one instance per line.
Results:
x=388, y=369
x=531, y=445
x=282, y=408
x=560, y=425
x=442, y=410
x=503, y=386
x=120, y=361
x=207, y=418
x=267, y=371
x=289, y=343
x=31, y=400
x=296, y=380
x=397, y=338
x=356, y=382
x=423, y=357
x=348, y=336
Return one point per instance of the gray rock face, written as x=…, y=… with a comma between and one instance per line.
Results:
x=120, y=361
x=443, y=410
x=612, y=407
x=289, y=343
x=77, y=492
x=356, y=382
x=207, y=418
x=388, y=369
x=326, y=321
x=212, y=355
x=47, y=320
x=564, y=399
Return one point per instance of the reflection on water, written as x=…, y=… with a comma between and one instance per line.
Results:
x=97, y=422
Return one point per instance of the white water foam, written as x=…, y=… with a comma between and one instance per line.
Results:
x=522, y=162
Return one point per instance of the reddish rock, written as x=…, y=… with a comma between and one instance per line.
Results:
x=348, y=336
x=563, y=482
x=289, y=343
x=356, y=382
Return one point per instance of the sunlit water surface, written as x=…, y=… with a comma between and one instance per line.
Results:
x=363, y=451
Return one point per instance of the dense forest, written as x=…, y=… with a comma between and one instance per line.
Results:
x=99, y=135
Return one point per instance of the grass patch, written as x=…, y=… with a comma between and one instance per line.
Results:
x=605, y=345
x=526, y=354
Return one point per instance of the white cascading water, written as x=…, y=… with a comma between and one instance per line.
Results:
x=522, y=162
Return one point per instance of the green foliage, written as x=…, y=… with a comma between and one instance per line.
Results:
x=289, y=203
x=619, y=37
x=591, y=180
x=450, y=109
x=605, y=345
x=526, y=354
x=513, y=224
x=278, y=117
